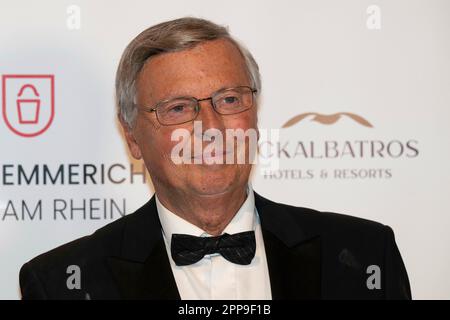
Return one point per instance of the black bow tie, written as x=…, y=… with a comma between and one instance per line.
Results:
x=238, y=248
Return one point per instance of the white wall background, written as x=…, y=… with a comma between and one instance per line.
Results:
x=315, y=56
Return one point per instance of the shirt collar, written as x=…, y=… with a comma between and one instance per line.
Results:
x=243, y=220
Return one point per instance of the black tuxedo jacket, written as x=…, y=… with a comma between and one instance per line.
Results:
x=310, y=255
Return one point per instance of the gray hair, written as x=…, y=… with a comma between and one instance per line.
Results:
x=169, y=36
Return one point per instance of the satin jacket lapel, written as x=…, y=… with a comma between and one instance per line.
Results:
x=142, y=270
x=293, y=256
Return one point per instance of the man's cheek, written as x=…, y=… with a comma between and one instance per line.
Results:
x=244, y=122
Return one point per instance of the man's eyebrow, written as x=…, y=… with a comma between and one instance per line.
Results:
x=169, y=96
x=177, y=96
x=180, y=95
x=174, y=97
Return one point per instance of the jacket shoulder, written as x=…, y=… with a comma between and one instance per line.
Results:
x=321, y=219
x=324, y=223
x=106, y=241
x=47, y=275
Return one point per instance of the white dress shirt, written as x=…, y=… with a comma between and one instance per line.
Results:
x=214, y=277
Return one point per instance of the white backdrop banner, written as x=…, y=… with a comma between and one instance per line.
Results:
x=356, y=94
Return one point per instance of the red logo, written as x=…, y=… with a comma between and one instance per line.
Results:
x=28, y=104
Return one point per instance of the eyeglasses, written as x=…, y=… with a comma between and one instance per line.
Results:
x=185, y=109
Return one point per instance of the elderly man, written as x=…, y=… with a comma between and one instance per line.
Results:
x=206, y=234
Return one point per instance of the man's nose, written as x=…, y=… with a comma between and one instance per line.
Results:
x=209, y=117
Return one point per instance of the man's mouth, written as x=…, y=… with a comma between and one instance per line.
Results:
x=212, y=157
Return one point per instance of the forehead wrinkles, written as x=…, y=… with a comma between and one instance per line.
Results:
x=215, y=64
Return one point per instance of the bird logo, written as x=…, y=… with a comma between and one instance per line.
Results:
x=327, y=119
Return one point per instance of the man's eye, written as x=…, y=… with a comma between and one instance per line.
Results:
x=230, y=100
x=177, y=108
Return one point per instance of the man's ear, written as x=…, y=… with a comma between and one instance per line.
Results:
x=133, y=146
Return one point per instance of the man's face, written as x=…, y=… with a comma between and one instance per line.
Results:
x=196, y=72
